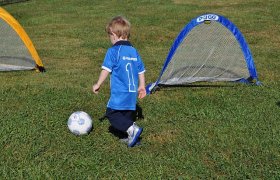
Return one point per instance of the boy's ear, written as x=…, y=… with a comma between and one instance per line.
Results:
x=114, y=35
x=111, y=32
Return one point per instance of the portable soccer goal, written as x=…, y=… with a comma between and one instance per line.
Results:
x=209, y=48
x=17, y=51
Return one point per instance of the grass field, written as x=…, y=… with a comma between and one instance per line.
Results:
x=223, y=132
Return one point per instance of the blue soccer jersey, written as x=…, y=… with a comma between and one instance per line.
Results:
x=125, y=64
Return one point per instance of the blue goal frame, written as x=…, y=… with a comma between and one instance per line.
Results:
x=226, y=23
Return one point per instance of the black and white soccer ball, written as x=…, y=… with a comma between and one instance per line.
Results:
x=80, y=123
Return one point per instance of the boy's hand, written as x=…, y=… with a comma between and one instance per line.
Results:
x=103, y=75
x=95, y=88
x=141, y=92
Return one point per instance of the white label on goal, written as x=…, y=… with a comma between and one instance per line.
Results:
x=207, y=17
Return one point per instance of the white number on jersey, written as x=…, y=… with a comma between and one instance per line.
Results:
x=131, y=83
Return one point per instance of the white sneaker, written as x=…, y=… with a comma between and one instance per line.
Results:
x=133, y=134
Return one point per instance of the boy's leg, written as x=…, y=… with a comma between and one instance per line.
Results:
x=120, y=120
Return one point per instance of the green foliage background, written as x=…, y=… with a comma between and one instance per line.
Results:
x=226, y=131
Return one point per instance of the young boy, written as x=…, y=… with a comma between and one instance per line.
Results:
x=125, y=65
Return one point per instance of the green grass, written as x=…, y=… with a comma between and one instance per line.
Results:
x=189, y=133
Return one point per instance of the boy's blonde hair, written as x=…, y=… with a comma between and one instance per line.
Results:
x=120, y=26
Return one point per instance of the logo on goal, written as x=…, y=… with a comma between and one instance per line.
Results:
x=207, y=17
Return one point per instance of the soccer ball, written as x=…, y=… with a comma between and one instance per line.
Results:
x=79, y=123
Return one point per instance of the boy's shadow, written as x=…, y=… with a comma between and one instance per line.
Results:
x=138, y=115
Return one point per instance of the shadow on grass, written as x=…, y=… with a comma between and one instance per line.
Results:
x=278, y=103
x=198, y=85
x=170, y=87
x=6, y=2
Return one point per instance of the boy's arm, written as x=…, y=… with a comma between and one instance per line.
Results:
x=141, y=88
x=103, y=75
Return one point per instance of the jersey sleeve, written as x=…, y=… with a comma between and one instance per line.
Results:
x=108, y=61
x=141, y=67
